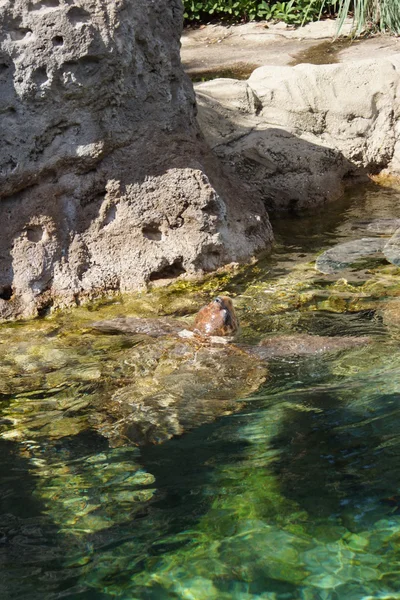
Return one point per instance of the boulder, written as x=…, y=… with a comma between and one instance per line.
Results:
x=297, y=135
x=105, y=181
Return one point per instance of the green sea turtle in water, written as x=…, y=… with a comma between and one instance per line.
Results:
x=183, y=378
x=156, y=378
x=216, y=319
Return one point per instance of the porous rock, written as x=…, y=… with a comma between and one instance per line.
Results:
x=297, y=135
x=105, y=182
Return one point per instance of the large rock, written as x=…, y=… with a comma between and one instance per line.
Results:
x=106, y=183
x=298, y=134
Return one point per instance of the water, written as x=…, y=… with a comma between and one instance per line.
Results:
x=285, y=482
x=235, y=71
x=325, y=53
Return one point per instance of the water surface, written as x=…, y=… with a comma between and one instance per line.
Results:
x=294, y=496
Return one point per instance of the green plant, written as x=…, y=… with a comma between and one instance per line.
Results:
x=383, y=15
x=295, y=12
x=232, y=9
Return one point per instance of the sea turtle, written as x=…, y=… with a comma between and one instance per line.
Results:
x=182, y=378
x=216, y=319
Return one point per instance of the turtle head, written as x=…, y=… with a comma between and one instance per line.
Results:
x=218, y=318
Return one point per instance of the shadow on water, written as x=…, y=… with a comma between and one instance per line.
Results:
x=182, y=466
x=313, y=229
x=236, y=71
x=332, y=459
x=272, y=487
x=242, y=508
x=30, y=550
x=325, y=53
x=183, y=469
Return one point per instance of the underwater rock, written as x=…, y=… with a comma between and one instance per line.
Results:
x=344, y=255
x=391, y=250
x=87, y=488
x=340, y=565
x=381, y=226
x=347, y=254
x=391, y=313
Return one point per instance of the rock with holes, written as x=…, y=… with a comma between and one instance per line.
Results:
x=105, y=181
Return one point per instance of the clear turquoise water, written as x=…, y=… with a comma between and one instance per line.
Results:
x=296, y=496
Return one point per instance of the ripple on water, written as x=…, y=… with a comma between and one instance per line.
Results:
x=285, y=482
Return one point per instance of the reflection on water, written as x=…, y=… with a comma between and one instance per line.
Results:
x=235, y=71
x=289, y=490
x=325, y=53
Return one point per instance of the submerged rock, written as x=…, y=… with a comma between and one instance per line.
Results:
x=391, y=313
x=385, y=226
x=347, y=254
x=391, y=249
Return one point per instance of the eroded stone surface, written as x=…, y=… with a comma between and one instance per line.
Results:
x=298, y=134
x=105, y=183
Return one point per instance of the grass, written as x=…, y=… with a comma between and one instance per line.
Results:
x=370, y=15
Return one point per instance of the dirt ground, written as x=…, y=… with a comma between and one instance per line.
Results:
x=236, y=50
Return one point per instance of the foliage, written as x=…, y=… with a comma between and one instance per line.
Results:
x=295, y=12
x=383, y=15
